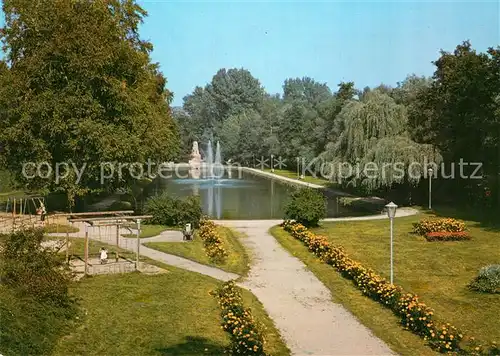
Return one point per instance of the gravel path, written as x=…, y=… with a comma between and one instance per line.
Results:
x=300, y=305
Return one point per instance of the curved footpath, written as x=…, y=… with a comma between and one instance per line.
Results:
x=300, y=305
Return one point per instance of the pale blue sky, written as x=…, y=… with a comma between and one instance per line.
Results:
x=368, y=42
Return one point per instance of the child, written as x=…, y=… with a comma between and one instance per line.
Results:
x=104, y=255
x=43, y=212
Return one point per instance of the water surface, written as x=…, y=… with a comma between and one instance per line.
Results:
x=240, y=195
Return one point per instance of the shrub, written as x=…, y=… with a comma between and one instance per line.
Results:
x=447, y=236
x=33, y=271
x=246, y=336
x=169, y=211
x=488, y=280
x=35, y=306
x=307, y=207
x=121, y=205
x=414, y=315
x=425, y=226
x=212, y=242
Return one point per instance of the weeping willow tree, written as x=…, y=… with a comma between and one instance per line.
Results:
x=361, y=124
x=397, y=160
x=371, y=147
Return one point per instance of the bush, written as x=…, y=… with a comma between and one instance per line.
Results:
x=246, y=335
x=307, y=207
x=35, y=306
x=121, y=205
x=423, y=227
x=33, y=271
x=447, y=236
x=488, y=280
x=170, y=211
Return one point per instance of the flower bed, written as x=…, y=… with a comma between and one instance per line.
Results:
x=246, y=335
x=415, y=315
x=211, y=241
x=423, y=227
x=447, y=236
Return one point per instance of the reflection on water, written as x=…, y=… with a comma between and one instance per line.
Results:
x=251, y=197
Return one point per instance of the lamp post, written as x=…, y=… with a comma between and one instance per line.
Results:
x=272, y=166
x=391, y=213
x=298, y=167
x=430, y=171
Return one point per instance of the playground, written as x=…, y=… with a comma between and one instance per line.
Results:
x=82, y=236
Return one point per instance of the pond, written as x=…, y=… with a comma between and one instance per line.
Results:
x=236, y=194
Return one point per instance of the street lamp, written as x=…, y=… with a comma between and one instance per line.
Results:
x=430, y=171
x=298, y=166
x=391, y=213
x=272, y=166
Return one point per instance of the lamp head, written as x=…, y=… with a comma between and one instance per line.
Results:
x=391, y=210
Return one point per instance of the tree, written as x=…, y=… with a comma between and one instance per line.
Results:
x=306, y=90
x=458, y=112
x=234, y=91
x=361, y=123
x=373, y=148
x=407, y=91
x=229, y=94
x=81, y=89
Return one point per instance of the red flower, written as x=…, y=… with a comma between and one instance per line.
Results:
x=488, y=193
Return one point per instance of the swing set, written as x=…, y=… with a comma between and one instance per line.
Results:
x=112, y=222
x=112, y=227
x=22, y=211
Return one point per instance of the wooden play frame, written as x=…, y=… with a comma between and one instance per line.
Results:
x=119, y=220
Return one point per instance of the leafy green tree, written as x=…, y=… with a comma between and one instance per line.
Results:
x=407, y=91
x=459, y=112
x=80, y=88
x=230, y=93
x=307, y=90
x=361, y=123
x=235, y=91
x=373, y=140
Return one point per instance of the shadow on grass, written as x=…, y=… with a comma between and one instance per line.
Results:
x=486, y=219
x=193, y=345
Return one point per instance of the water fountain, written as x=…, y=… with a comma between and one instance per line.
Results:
x=218, y=168
x=244, y=197
x=209, y=161
x=213, y=165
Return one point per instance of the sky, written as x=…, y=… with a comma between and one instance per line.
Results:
x=368, y=42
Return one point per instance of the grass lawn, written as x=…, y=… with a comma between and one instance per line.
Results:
x=150, y=230
x=59, y=228
x=436, y=271
x=166, y=314
x=236, y=262
x=293, y=175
